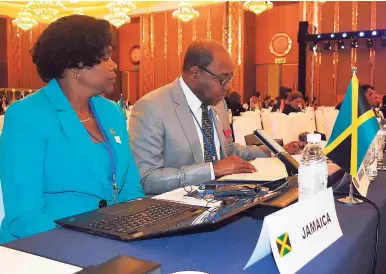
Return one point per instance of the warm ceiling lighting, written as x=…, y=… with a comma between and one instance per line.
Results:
x=79, y=11
x=121, y=6
x=258, y=6
x=185, y=12
x=24, y=20
x=47, y=10
x=118, y=12
x=117, y=19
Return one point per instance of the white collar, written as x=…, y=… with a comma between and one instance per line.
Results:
x=193, y=101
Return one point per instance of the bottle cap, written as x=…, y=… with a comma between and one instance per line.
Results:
x=314, y=138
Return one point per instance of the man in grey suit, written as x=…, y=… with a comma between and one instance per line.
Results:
x=178, y=137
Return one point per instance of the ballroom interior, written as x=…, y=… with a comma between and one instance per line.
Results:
x=263, y=43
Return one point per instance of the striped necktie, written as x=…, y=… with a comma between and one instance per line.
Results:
x=207, y=130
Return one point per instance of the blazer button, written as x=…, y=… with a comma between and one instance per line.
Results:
x=102, y=203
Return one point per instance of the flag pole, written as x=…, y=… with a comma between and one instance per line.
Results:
x=350, y=199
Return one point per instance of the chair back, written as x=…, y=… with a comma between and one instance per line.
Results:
x=329, y=121
x=242, y=126
x=255, y=116
x=278, y=126
x=302, y=122
x=319, y=120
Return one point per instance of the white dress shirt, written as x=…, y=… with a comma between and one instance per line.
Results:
x=195, y=105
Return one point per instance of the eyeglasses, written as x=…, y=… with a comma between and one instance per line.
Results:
x=223, y=81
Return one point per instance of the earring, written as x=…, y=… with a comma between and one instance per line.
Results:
x=76, y=76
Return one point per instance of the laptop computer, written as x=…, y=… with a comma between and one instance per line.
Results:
x=149, y=218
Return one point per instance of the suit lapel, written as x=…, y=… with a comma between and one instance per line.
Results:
x=220, y=132
x=72, y=127
x=186, y=120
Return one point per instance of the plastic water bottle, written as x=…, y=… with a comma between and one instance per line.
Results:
x=313, y=172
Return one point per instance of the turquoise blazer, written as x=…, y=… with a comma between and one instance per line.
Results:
x=49, y=166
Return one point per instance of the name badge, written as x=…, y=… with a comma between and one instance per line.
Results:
x=298, y=233
x=118, y=139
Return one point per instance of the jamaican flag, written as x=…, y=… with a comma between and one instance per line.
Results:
x=354, y=130
x=122, y=106
x=283, y=244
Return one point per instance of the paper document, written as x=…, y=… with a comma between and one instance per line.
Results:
x=17, y=262
x=179, y=195
x=268, y=169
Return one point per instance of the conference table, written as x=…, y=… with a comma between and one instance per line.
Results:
x=227, y=249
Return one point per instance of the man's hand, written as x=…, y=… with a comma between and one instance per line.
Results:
x=294, y=147
x=232, y=165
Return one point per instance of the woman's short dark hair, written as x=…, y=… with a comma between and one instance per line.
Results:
x=74, y=41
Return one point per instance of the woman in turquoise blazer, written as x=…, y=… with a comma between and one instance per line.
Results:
x=65, y=149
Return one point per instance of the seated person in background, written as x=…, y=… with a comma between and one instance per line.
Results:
x=234, y=100
x=189, y=142
x=254, y=101
x=64, y=149
x=383, y=107
x=295, y=99
x=266, y=101
x=372, y=98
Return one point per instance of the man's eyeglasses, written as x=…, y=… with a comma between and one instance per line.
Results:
x=223, y=81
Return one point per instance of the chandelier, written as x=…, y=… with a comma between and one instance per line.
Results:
x=121, y=6
x=185, y=12
x=24, y=20
x=258, y=6
x=117, y=19
x=118, y=12
x=46, y=9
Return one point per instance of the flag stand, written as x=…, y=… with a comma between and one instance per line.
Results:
x=350, y=199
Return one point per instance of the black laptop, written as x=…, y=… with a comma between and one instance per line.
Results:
x=150, y=218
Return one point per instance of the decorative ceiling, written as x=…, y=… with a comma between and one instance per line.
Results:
x=97, y=8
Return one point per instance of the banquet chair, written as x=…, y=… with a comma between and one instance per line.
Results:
x=278, y=126
x=255, y=116
x=242, y=126
x=329, y=121
x=319, y=118
x=302, y=122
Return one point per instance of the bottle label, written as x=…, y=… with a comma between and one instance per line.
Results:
x=312, y=179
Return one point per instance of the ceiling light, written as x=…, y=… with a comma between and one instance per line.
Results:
x=258, y=6
x=47, y=10
x=185, y=12
x=24, y=20
x=117, y=19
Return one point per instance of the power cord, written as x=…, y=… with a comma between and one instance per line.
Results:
x=373, y=265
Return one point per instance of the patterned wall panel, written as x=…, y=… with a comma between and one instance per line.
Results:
x=147, y=56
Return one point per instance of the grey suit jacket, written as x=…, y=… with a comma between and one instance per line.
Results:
x=165, y=143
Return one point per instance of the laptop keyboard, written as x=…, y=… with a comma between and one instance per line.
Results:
x=153, y=214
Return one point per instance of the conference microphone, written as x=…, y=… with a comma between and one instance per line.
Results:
x=290, y=163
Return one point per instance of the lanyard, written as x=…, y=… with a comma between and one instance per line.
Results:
x=109, y=149
x=211, y=151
